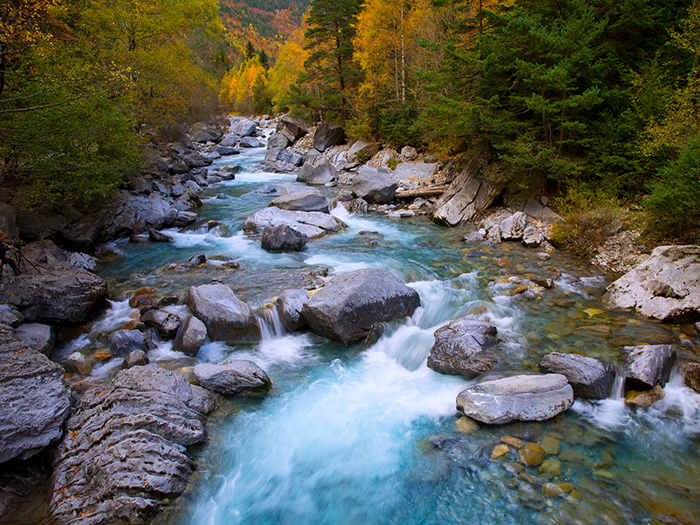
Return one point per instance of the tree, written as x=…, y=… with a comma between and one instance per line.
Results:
x=287, y=69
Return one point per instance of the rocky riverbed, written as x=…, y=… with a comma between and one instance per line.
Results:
x=246, y=348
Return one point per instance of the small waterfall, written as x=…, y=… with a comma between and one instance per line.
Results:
x=618, y=387
x=270, y=323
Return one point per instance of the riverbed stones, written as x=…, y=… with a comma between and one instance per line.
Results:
x=373, y=185
x=589, y=378
x=190, y=336
x=464, y=347
x=312, y=224
x=122, y=342
x=531, y=455
x=666, y=286
x=226, y=317
x=54, y=297
x=328, y=135
x=648, y=365
x=234, y=377
x=516, y=398
x=166, y=323
x=289, y=306
x=34, y=400
x=306, y=200
x=347, y=307
x=644, y=398
x=136, y=358
x=125, y=448
x=283, y=238
x=36, y=336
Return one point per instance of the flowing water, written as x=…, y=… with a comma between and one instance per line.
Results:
x=354, y=435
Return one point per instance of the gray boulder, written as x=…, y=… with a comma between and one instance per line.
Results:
x=305, y=200
x=517, y=398
x=328, y=135
x=292, y=128
x=243, y=127
x=513, y=227
x=360, y=152
x=467, y=196
x=227, y=151
x=122, y=342
x=409, y=153
x=464, y=347
x=156, y=236
x=648, y=365
x=347, y=307
x=666, y=286
x=166, y=323
x=532, y=236
x=125, y=448
x=10, y=316
x=589, y=378
x=251, y=142
x=276, y=144
x=283, y=238
x=126, y=214
x=235, y=377
x=373, y=185
x=36, y=336
x=312, y=224
x=34, y=401
x=317, y=171
x=57, y=297
x=289, y=306
x=191, y=336
x=226, y=317
x=205, y=132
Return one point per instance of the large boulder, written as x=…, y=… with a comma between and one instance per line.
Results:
x=243, y=127
x=190, y=336
x=305, y=200
x=360, y=152
x=276, y=144
x=317, y=171
x=292, y=128
x=464, y=347
x=34, y=401
x=205, y=132
x=328, y=135
x=166, y=323
x=666, y=286
x=124, y=453
x=351, y=303
x=36, y=336
x=55, y=297
x=589, y=378
x=283, y=238
x=373, y=185
x=467, y=196
x=516, y=398
x=127, y=214
x=648, y=365
x=226, y=317
x=313, y=224
x=289, y=306
x=233, y=377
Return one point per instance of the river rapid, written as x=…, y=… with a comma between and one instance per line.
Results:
x=356, y=435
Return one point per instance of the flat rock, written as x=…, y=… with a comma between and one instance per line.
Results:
x=666, y=286
x=516, y=398
x=313, y=224
x=226, y=317
x=234, y=377
x=373, y=185
x=190, y=336
x=648, y=365
x=463, y=347
x=289, y=306
x=125, y=448
x=36, y=336
x=588, y=377
x=351, y=303
x=306, y=200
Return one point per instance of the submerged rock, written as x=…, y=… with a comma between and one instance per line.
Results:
x=312, y=224
x=283, y=238
x=645, y=398
x=463, y=347
x=666, y=286
x=588, y=377
x=306, y=200
x=233, y=377
x=125, y=448
x=347, y=307
x=517, y=398
x=289, y=306
x=34, y=401
x=648, y=365
x=226, y=317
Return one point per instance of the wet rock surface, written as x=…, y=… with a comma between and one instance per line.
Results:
x=466, y=196
x=289, y=306
x=226, y=317
x=588, y=377
x=317, y=171
x=312, y=224
x=464, y=347
x=234, y=377
x=190, y=336
x=283, y=238
x=649, y=365
x=125, y=448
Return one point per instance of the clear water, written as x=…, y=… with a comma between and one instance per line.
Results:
x=353, y=435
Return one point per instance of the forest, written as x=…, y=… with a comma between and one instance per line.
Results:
x=592, y=101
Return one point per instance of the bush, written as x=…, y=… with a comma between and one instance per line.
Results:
x=674, y=202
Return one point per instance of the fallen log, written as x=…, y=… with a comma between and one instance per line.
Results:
x=431, y=191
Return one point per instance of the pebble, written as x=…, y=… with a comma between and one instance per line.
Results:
x=532, y=455
x=466, y=425
x=551, y=466
x=550, y=445
x=512, y=441
x=498, y=451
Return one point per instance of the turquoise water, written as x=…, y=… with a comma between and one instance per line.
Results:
x=354, y=435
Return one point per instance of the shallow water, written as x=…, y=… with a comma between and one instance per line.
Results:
x=353, y=435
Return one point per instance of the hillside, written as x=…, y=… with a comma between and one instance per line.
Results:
x=270, y=19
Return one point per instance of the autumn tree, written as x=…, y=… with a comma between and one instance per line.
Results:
x=288, y=67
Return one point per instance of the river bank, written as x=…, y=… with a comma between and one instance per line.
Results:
x=346, y=431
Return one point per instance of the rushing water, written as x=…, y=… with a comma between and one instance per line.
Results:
x=353, y=435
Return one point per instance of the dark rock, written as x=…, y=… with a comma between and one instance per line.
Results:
x=464, y=347
x=328, y=135
x=312, y=224
x=168, y=300
x=648, y=365
x=233, y=377
x=166, y=323
x=122, y=342
x=289, y=305
x=517, y=398
x=156, y=236
x=691, y=375
x=9, y=316
x=127, y=214
x=360, y=152
x=589, y=378
x=226, y=317
x=184, y=218
x=136, y=358
x=374, y=186
x=37, y=337
x=347, y=307
x=125, y=448
x=293, y=129
x=317, y=171
x=275, y=145
x=191, y=336
x=283, y=238
x=204, y=132
x=305, y=200
x=197, y=260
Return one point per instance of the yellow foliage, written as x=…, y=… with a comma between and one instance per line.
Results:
x=288, y=67
x=239, y=84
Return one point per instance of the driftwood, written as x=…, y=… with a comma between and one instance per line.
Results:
x=428, y=191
